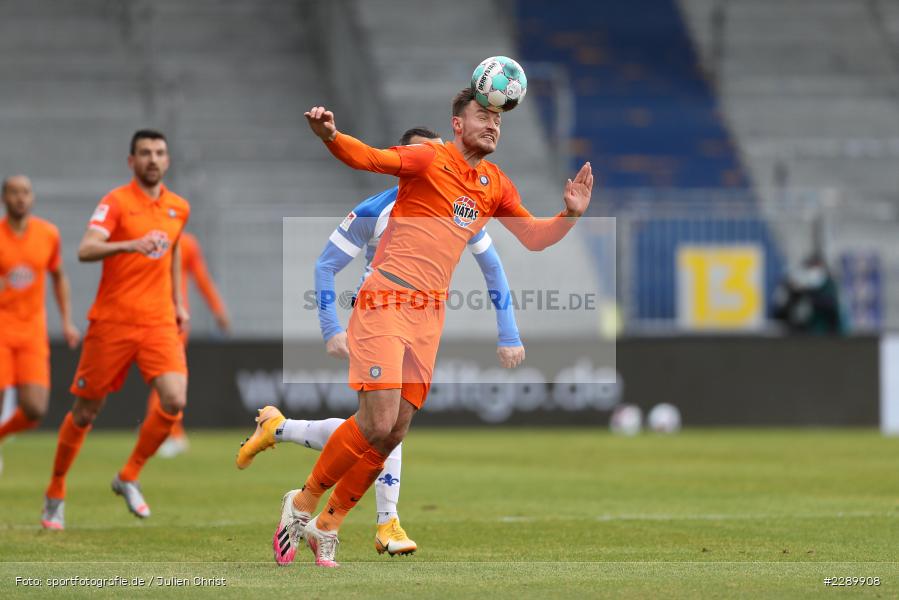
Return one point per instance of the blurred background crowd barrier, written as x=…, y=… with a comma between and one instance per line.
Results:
x=748, y=151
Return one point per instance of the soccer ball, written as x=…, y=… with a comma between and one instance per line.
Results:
x=664, y=418
x=499, y=83
x=627, y=419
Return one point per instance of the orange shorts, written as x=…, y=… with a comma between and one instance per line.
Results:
x=393, y=336
x=24, y=363
x=110, y=348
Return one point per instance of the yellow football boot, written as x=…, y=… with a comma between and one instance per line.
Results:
x=269, y=419
x=392, y=539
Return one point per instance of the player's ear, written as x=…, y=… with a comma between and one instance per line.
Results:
x=457, y=125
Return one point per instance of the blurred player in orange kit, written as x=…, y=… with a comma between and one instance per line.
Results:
x=193, y=265
x=447, y=193
x=29, y=247
x=135, y=231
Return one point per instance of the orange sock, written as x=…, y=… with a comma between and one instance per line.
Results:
x=70, y=439
x=344, y=449
x=18, y=422
x=178, y=430
x=153, y=432
x=350, y=489
x=153, y=404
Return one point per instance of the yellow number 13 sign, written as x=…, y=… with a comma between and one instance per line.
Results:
x=720, y=287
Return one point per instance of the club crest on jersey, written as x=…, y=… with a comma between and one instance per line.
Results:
x=465, y=211
x=484, y=180
x=162, y=244
x=20, y=277
x=172, y=213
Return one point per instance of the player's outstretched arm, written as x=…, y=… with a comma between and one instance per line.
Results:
x=398, y=161
x=331, y=261
x=182, y=317
x=62, y=292
x=94, y=245
x=197, y=269
x=510, y=350
x=537, y=234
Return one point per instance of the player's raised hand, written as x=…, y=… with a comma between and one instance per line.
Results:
x=510, y=356
x=321, y=121
x=578, y=191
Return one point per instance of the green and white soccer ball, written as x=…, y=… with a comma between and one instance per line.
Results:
x=499, y=83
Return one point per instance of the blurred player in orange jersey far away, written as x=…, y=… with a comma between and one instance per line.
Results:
x=135, y=231
x=193, y=265
x=29, y=247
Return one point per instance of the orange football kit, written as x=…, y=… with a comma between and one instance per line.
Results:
x=24, y=261
x=133, y=317
x=132, y=320
x=394, y=330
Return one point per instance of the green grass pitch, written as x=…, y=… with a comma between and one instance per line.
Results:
x=497, y=513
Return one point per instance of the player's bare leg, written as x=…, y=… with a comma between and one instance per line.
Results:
x=177, y=442
x=72, y=432
x=172, y=389
x=32, y=400
x=32, y=406
x=378, y=415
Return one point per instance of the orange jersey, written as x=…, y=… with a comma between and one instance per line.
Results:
x=24, y=260
x=137, y=289
x=194, y=265
x=442, y=203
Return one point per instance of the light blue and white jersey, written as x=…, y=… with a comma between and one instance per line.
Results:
x=362, y=230
x=363, y=227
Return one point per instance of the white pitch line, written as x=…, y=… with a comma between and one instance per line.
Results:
x=135, y=525
x=745, y=517
x=704, y=517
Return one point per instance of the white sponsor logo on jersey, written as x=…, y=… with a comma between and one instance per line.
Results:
x=20, y=277
x=348, y=221
x=100, y=213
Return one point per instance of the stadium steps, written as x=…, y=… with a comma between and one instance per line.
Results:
x=226, y=80
x=644, y=112
x=810, y=87
x=804, y=70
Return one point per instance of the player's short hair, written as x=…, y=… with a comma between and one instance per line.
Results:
x=145, y=134
x=461, y=100
x=419, y=132
x=5, y=184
